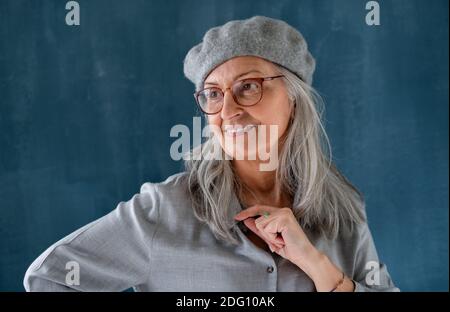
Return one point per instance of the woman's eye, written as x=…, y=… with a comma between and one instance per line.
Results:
x=213, y=94
x=250, y=87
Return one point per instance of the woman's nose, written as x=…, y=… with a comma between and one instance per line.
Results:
x=230, y=108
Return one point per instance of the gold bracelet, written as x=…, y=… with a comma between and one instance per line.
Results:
x=339, y=283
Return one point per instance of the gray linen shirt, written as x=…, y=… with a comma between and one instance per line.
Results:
x=153, y=242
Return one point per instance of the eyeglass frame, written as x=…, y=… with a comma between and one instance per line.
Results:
x=261, y=79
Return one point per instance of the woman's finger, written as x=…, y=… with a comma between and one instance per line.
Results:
x=276, y=229
x=250, y=223
x=271, y=236
x=273, y=248
x=253, y=211
x=269, y=225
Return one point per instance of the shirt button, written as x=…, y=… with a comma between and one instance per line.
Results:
x=269, y=269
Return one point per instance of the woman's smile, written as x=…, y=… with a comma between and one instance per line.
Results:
x=237, y=130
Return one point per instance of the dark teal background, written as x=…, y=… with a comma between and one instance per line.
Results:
x=85, y=115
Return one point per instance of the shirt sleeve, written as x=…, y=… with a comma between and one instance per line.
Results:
x=370, y=274
x=109, y=254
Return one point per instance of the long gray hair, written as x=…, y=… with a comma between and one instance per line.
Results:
x=328, y=202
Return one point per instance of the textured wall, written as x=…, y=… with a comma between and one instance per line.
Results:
x=85, y=115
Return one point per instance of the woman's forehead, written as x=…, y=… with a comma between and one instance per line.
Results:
x=238, y=66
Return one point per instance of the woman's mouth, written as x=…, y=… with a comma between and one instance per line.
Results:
x=237, y=129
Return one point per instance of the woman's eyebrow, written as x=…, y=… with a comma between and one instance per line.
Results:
x=238, y=76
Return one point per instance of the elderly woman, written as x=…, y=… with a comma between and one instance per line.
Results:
x=228, y=223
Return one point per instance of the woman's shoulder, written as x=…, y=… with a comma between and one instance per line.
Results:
x=174, y=189
x=172, y=184
x=170, y=198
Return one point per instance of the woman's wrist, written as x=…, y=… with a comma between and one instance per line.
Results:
x=325, y=275
x=309, y=262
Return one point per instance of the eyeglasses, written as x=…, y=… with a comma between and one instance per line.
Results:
x=245, y=92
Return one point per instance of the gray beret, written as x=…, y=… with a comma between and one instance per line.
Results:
x=268, y=38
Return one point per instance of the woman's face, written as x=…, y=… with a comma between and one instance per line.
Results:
x=274, y=109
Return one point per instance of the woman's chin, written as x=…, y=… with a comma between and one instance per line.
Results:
x=241, y=154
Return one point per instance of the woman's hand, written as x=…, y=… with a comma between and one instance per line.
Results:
x=282, y=233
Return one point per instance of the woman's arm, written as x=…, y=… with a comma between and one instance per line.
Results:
x=325, y=275
x=109, y=254
x=369, y=274
x=295, y=246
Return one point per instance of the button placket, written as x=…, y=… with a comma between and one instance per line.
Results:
x=253, y=251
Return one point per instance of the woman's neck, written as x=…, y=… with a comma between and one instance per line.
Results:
x=260, y=187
